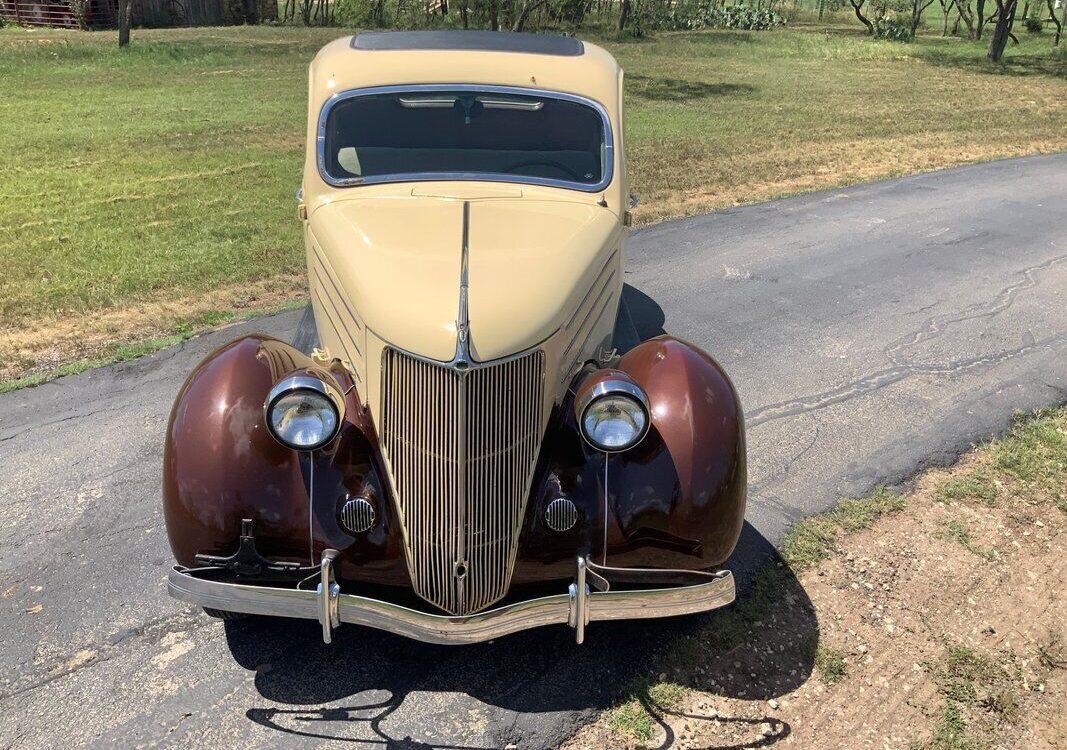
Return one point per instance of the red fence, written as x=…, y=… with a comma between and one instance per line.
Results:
x=98, y=13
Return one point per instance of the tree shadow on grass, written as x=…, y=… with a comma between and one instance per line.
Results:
x=678, y=90
x=1050, y=64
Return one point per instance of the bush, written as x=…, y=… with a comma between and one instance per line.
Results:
x=1034, y=25
x=704, y=14
x=351, y=13
x=740, y=17
x=893, y=29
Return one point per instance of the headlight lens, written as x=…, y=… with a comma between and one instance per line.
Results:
x=614, y=416
x=614, y=423
x=301, y=413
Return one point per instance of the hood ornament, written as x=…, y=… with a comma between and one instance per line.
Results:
x=462, y=360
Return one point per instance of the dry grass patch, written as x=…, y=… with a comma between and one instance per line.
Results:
x=64, y=345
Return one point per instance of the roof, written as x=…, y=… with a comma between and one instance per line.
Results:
x=484, y=41
x=496, y=58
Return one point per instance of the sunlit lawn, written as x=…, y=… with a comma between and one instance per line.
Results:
x=168, y=169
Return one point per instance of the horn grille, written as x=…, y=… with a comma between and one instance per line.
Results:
x=357, y=515
x=561, y=514
x=461, y=448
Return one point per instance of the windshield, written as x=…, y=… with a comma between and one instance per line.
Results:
x=463, y=133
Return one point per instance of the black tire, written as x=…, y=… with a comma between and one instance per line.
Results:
x=220, y=614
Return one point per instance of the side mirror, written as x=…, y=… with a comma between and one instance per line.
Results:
x=301, y=209
x=628, y=217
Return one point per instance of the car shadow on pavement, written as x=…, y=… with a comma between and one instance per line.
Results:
x=640, y=318
x=376, y=688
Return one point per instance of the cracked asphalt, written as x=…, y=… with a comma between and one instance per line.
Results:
x=871, y=331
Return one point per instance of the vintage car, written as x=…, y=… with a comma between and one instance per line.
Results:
x=464, y=454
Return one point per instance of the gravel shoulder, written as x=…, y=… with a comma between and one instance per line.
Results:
x=942, y=626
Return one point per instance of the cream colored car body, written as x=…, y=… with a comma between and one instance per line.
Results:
x=384, y=259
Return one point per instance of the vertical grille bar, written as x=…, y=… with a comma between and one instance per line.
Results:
x=461, y=448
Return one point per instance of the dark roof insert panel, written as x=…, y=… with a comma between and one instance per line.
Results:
x=485, y=41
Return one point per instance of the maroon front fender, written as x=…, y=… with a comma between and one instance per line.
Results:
x=221, y=465
x=684, y=490
x=676, y=500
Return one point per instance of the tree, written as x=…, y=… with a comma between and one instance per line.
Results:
x=528, y=7
x=858, y=8
x=124, y=10
x=1002, y=31
x=963, y=7
x=624, y=14
x=918, y=7
x=1059, y=25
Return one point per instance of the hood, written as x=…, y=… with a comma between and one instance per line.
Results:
x=399, y=259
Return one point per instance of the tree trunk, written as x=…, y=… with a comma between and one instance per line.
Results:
x=624, y=14
x=964, y=9
x=494, y=15
x=1002, y=31
x=917, y=10
x=1059, y=26
x=125, y=10
x=524, y=14
x=979, y=18
x=858, y=8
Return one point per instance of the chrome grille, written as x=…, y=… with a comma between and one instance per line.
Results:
x=461, y=447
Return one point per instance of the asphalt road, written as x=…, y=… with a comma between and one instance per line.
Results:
x=871, y=331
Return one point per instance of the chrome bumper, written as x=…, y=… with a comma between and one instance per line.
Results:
x=576, y=608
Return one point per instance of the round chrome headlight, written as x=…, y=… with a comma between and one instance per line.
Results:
x=613, y=415
x=303, y=412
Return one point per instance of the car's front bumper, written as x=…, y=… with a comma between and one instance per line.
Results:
x=576, y=608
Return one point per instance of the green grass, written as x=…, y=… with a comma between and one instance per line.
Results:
x=634, y=716
x=970, y=485
x=830, y=664
x=168, y=168
x=950, y=732
x=978, y=694
x=811, y=540
x=1035, y=453
x=957, y=531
